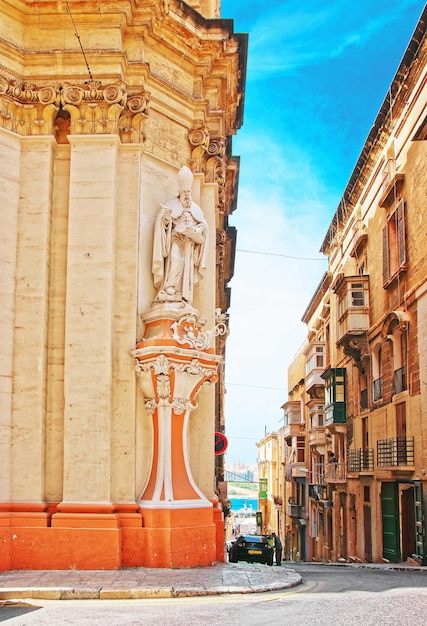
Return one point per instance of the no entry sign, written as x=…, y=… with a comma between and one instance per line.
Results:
x=221, y=443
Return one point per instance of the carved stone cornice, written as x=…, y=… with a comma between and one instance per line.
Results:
x=91, y=107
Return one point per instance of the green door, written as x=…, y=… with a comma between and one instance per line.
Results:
x=390, y=519
x=420, y=532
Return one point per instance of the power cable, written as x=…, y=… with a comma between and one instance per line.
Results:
x=286, y=256
x=78, y=37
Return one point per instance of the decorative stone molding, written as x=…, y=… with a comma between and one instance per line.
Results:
x=27, y=109
x=208, y=156
x=186, y=331
x=199, y=142
x=221, y=242
x=160, y=373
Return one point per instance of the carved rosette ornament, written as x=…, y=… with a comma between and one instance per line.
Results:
x=92, y=108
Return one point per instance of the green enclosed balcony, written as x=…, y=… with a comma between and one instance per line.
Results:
x=335, y=396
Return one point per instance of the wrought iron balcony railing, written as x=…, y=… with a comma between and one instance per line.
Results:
x=360, y=460
x=395, y=451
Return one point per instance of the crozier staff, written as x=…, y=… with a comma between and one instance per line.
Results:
x=180, y=244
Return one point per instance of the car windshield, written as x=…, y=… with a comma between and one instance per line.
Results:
x=257, y=539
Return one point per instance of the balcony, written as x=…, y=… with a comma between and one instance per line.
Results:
x=335, y=400
x=324, y=474
x=314, y=382
x=291, y=419
x=317, y=437
x=399, y=380
x=294, y=510
x=318, y=474
x=315, y=364
x=292, y=430
x=377, y=389
x=396, y=452
x=335, y=473
x=295, y=470
x=360, y=460
x=317, y=492
x=353, y=305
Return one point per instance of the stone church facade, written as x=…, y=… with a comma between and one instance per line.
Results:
x=101, y=105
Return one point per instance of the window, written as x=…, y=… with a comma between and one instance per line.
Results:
x=394, y=245
x=335, y=408
x=399, y=342
x=335, y=387
x=316, y=416
x=316, y=358
x=300, y=449
x=357, y=294
x=377, y=381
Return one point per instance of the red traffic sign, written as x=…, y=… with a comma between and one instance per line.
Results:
x=221, y=443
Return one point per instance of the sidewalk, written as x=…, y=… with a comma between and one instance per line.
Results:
x=142, y=582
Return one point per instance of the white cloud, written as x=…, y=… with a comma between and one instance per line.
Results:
x=292, y=35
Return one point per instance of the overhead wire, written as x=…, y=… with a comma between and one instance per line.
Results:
x=79, y=40
x=286, y=256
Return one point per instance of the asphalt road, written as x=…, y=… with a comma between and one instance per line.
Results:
x=328, y=595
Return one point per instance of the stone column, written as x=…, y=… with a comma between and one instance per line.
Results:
x=10, y=155
x=89, y=323
x=31, y=323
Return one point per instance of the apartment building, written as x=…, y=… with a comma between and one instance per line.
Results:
x=268, y=477
x=364, y=389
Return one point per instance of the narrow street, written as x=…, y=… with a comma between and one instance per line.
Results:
x=329, y=594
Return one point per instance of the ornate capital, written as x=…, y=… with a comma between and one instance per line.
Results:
x=92, y=108
x=169, y=382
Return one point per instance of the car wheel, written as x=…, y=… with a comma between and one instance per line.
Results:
x=270, y=561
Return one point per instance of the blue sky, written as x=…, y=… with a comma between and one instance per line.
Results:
x=317, y=75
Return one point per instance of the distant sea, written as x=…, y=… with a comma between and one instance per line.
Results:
x=240, y=503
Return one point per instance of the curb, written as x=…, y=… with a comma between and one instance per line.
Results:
x=107, y=593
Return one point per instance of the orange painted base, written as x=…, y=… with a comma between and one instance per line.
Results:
x=87, y=541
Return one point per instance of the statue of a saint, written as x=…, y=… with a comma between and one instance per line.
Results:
x=180, y=245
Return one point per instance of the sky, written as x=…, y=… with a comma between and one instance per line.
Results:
x=317, y=74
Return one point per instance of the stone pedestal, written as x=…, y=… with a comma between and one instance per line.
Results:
x=174, y=360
